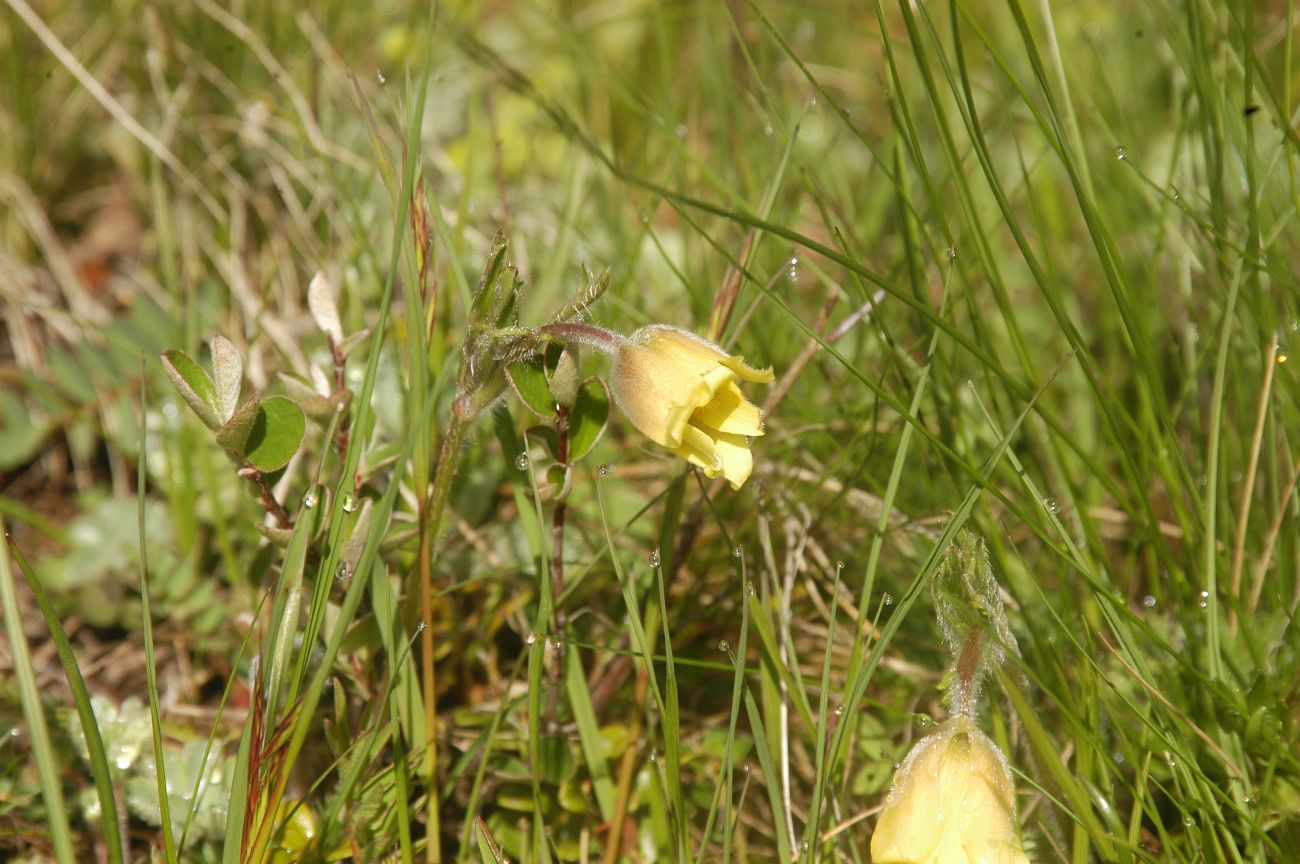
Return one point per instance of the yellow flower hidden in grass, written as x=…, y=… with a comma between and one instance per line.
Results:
x=680, y=390
x=952, y=803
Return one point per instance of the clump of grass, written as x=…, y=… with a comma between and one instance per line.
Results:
x=1022, y=270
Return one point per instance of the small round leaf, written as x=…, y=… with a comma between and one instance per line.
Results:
x=277, y=431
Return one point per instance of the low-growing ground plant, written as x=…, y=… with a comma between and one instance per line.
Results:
x=633, y=431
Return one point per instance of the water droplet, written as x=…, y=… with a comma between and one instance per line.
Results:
x=681, y=131
x=1149, y=601
x=1205, y=599
x=29, y=310
x=888, y=599
x=1187, y=821
x=812, y=101
x=898, y=765
x=1121, y=154
x=655, y=558
x=723, y=646
x=803, y=847
x=1295, y=325
x=1051, y=505
x=606, y=470
x=421, y=626
x=1174, y=193
x=653, y=757
x=846, y=113
x=1193, y=333
x=737, y=551
x=1281, y=358
x=768, y=130
x=793, y=274
x=349, y=503
x=309, y=499
x=839, y=566
x=557, y=643
x=343, y=572
x=340, y=407
x=750, y=590
x=952, y=253
x=379, y=74
x=530, y=639
x=645, y=218
x=748, y=768
x=170, y=411
x=839, y=710
x=1118, y=758
x=521, y=461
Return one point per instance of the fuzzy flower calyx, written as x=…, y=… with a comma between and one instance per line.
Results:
x=681, y=391
x=952, y=802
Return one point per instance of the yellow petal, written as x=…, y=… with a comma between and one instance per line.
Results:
x=749, y=373
x=729, y=411
x=700, y=449
x=737, y=461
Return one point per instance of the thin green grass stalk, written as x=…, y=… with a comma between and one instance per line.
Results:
x=81, y=697
x=194, y=798
x=544, y=627
x=146, y=620
x=812, y=831
x=47, y=766
x=771, y=775
x=726, y=777
x=671, y=722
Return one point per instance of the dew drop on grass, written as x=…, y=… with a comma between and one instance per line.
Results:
x=1205, y=599
x=888, y=599
x=793, y=275
x=952, y=253
x=1051, y=505
x=349, y=503
x=343, y=572
x=737, y=551
x=530, y=639
x=748, y=768
x=1188, y=822
x=681, y=131
x=521, y=461
x=309, y=499
x=839, y=567
x=768, y=130
x=1281, y=358
x=653, y=757
x=750, y=590
x=839, y=710
x=655, y=558
x=723, y=646
x=1149, y=601
x=606, y=470
x=1121, y=154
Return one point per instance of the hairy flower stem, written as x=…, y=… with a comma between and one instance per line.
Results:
x=965, y=692
x=431, y=511
x=586, y=335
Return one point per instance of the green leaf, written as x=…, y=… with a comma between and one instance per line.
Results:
x=195, y=387
x=588, y=418
x=529, y=381
x=228, y=370
x=233, y=434
x=277, y=431
x=488, y=850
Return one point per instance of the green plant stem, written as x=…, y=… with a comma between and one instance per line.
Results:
x=430, y=520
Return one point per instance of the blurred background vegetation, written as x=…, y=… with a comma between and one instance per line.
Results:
x=1027, y=269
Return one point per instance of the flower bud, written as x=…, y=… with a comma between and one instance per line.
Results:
x=680, y=390
x=952, y=802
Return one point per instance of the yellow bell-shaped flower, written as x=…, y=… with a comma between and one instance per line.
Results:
x=680, y=390
x=952, y=802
